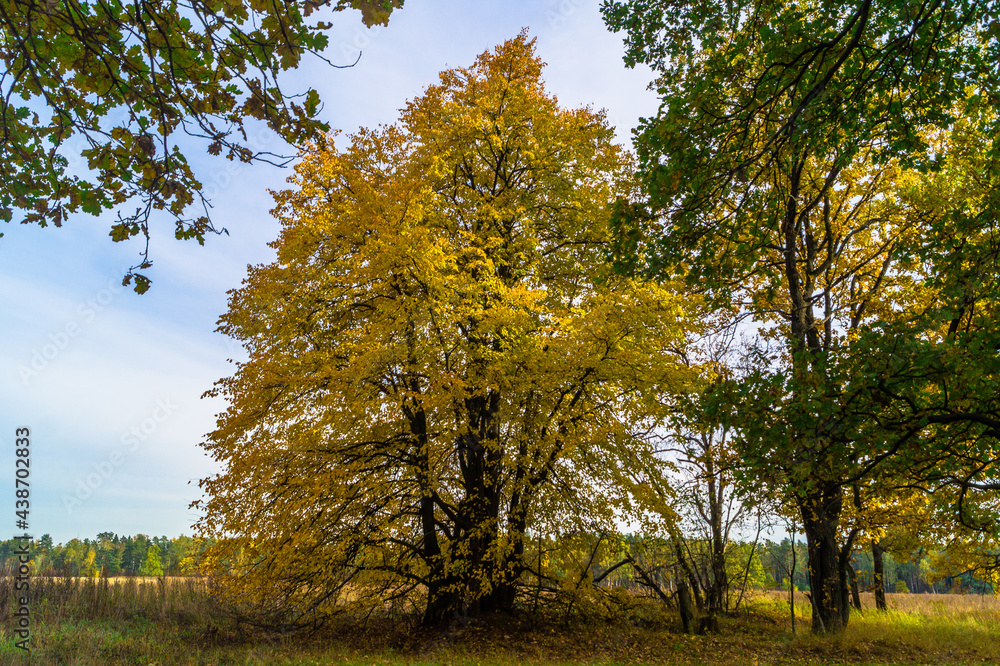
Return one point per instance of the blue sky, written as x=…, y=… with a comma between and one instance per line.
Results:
x=110, y=383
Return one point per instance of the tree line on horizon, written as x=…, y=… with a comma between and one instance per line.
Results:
x=108, y=555
x=767, y=566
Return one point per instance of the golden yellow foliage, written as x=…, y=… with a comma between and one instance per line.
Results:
x=439, y=358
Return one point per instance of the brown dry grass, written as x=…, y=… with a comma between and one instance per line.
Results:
x=118, y=580
x=130, y=621
x=925, y=604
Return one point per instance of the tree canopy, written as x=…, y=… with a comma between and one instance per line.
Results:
x=796, y=173
x=440, y=359
x=119, y=81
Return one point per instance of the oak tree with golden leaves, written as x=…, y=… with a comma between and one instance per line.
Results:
x=438, y=359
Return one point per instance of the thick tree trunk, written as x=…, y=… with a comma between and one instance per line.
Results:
x=821, y=504
x=500, y=599
x=684, y=602
x=442, y=605
x=847, y=577
x=845, y=595
x=465, y=598
x=504, y=591
x=878, y=566
x=442, y=601
x=485, y=585
x=820, y=516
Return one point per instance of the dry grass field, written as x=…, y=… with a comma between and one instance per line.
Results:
x=136, y=621
x=117, y=580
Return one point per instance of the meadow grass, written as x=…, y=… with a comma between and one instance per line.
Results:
x=175, y=621
x=947, y=627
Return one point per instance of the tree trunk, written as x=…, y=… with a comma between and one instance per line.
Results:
x=718, y=591
x=820, y=516
x=791, y=580
x=845, y=595
x=846, y=573
x=852, y=577
x=878, y=567
x=501, y=597
x=442, y=601
x=442, y=605
x=687, y=572
x=684, y=601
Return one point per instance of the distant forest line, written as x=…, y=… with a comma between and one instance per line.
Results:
x=109, y=555
x=112, y=555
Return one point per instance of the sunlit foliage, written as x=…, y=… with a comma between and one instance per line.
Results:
x=439, y=358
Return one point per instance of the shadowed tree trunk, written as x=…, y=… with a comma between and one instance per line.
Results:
x=848, y=581
x=791, y=579
x=684, y=601
x=878, y=567
x=718, y=590
x=852, y=577
x=820, y=516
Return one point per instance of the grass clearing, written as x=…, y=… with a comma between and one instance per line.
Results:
x=127, y=621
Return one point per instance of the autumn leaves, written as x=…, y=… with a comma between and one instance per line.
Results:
x=443, y=360
x=440, y=359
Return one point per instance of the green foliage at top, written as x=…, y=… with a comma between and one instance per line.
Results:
x=126, y=78
x=743, y=83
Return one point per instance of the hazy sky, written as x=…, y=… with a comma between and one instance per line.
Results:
x=110, y=383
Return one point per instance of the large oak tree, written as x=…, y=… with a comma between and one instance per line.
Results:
x=784, y=170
